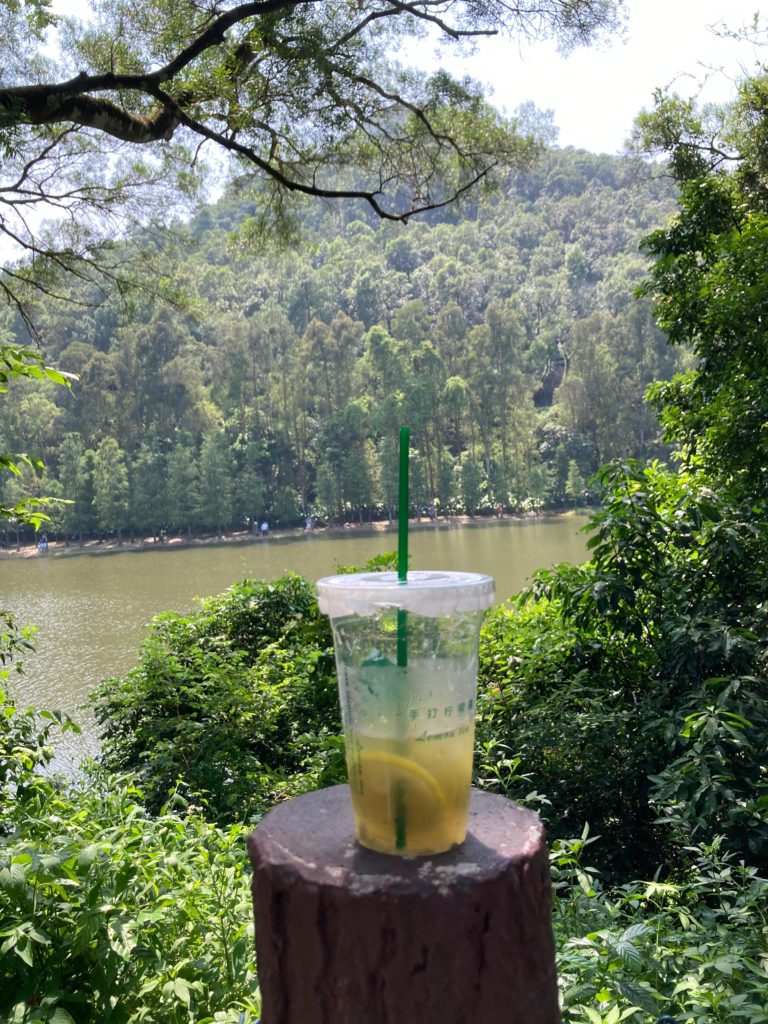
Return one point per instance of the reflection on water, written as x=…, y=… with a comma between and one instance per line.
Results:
x=91, y=611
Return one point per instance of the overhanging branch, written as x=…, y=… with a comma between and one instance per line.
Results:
x=292, y=185
x=73, y=101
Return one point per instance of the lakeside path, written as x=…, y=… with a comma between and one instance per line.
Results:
x=58, y=549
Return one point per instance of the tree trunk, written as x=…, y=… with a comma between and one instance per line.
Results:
x=348, y=936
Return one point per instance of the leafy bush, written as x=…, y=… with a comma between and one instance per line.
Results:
x=633, y=688
x=236, y=702
x=23, y=734
x=107, y=914
x=693, y=949
x=575, y=737
x=628, y=693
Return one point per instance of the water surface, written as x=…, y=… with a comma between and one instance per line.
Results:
x=91, y=610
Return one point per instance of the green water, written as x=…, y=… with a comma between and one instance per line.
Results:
x=91, y=610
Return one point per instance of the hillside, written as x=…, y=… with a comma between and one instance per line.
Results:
x=506, y=334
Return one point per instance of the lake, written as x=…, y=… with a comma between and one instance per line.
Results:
x=91, y=610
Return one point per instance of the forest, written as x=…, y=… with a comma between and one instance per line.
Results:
x=506, y=333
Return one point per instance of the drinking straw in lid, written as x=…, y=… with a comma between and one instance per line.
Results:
x=402, y=510
x=402, y=545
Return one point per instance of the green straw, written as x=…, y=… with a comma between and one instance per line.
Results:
x=402, y=616
x=402, y=545
x=402, y=509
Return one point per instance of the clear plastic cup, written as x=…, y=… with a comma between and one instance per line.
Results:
x=406, y=659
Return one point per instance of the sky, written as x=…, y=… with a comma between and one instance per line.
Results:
x=596, y=92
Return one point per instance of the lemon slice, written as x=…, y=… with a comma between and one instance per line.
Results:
x=382, y=768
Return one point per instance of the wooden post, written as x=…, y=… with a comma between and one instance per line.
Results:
x=348, y=936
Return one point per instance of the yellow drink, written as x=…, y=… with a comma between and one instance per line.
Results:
x=411, y=796
x=406, y=659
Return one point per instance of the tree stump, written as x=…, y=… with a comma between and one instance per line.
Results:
x=348, y=936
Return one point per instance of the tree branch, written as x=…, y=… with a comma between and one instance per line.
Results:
x=39, y=106
x=73, y=101
x=294, y=88
x=292, y=185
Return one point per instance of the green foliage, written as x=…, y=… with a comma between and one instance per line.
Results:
x=386, y=561
x=215, y=481
x=570, y=729
x=24, y=736
x=633, y=688
x=36, y=15
x=110, y=487
x=692, y=948
x=21, y=363
x=109, y=915
x=709, y=285
x=236, y=702
x=510, y=354
x=18, y=362
x=714, y=292
x=625, y=697
x=323, y=84
x=628, y=693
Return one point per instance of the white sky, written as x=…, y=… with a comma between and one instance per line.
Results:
x=595, y=93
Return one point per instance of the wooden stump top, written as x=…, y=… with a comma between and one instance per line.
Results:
x=312, y=836
x=345, y=935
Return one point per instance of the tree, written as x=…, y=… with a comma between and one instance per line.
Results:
x=183, y=484
x=345, y=462
x=238, y=361
x=216, y=484
x=388, y=463
x=576, y=485
x=471, y=482
x=70, y=477
x=357, y=471
x=110, y=487
x=149, y=504
x=446, y=477
x=710, y=287
x=292, y=90
x=648, y=663
x=251, y=492
x=86, y=508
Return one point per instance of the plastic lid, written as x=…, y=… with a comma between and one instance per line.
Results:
x=431, y=594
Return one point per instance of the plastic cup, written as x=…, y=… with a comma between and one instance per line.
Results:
x=407, y=687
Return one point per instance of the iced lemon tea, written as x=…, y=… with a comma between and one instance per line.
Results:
x=406, y=657
x=411, y=796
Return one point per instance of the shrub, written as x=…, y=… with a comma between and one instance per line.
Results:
x=553, y=704
x=236, y=703
x=633, y=688
x=693, y=948
x=107, y=914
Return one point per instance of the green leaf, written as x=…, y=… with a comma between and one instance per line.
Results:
x=592, y=1015
x=61, y=1016
x=628, y=953
x=639, y=995
x=181, y=988
x=87, y=856
x=634, y=931
x=38, y=936
x=23, y=949
x=60, y=377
